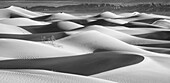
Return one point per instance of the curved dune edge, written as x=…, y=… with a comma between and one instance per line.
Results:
x=45, y=77
x=149, y=70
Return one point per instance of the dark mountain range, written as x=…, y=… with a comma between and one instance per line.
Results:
x=101, y=1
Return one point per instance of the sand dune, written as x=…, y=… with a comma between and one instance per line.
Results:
x=120, y=22
x=9, y=29
x=142, y=16
x=36, y=37
x=150, y=70
x=156, y=49
x=88, y=64
x=108, y=22
x=22, y=22
x=35, y=76
x=17, y=11
x=93, y=40
x=80, y=21
x=160, y=35
x=42, y=18
x=108, y=14
x=138, y=31
x=62, y=16
x=149, y=20
x=129, y=14
x=21, y=49
x=164, y=23
x=141, y=25
x=157, y=45
x=53, y=27
x=121, y=36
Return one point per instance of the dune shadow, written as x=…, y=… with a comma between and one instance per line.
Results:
x=87, y=64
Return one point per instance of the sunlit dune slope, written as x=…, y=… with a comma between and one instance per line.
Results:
x=10, y=29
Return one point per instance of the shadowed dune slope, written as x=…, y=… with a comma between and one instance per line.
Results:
x=36, y=37
x=149, y=21
x=34, y=76
x=141, y=25
x=42, y=18
x=107, y=22
x=158, y=45
x=53, y=27
x=80, y=21
x=62, y=16
x=88, y=64
x=160, y=35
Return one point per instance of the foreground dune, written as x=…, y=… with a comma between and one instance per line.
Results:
x=150, y=70
x=34, y=76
